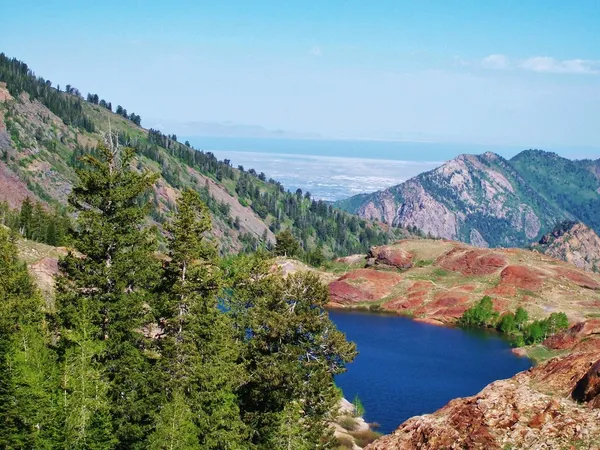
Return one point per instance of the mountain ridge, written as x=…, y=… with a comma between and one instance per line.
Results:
x=487, y=200
x=44, y=131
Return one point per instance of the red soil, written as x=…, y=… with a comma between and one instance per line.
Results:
x=472, y=261
x=522, y=277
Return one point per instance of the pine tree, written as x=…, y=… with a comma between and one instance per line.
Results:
x=28, y=383
x=26, y=217
x=175, y=428
x=198, y=353
x=291, y=352
x=102, y=298
x=286, y=244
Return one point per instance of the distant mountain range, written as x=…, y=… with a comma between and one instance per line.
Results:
x=231, y=129
x=487, y=200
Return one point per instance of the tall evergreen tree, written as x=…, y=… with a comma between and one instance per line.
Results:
x=291, y=352
x=28, y=394
x=102, y=301
x=198, y=352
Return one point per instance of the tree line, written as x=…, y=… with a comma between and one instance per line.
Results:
x=36, y=222
x=515, y=325
x=19, y=78
x=179, y=350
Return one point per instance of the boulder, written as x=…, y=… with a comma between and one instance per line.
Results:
x=390, y=255
x=587, y=389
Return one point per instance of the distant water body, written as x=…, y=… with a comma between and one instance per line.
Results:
x=405, y=368
x=336, y=169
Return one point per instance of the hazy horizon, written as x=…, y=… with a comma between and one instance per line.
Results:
x=500, y=73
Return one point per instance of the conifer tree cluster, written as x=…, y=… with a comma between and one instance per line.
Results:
x=34, y=221
x=176, y=350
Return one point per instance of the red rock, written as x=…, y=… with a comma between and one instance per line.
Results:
x=472, y=261
x=590, y=344
x=391, y=256
x=522, y=277
x=587, y=388
x=513, y=413
x=578, y=278
x=343, y=293
x=362, y=285
x=447, y=307
x=502, y=289
x=569, y=338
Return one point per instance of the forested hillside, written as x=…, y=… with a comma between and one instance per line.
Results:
x=45, y=129
x=172, y=350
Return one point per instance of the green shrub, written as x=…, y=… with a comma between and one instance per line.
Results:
x=359, y=408
x=480, y=315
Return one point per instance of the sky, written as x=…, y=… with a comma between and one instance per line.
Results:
x=524, y=73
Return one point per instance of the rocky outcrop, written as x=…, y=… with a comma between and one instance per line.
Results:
x=573, y=242
x=570, y=338
x=587, y=390
x=546, y=407
x=362, y=285
x=390, y=255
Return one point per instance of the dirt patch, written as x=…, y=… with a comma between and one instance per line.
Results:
x=12, y=189
x=472, y=261
x=352, y=259
x=578, y=278
x=363, y=285
x=522, y=277
x=4, y=94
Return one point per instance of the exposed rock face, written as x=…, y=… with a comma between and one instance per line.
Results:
x=573, y=242
x=579, y=332
x=479, y=199
x=531, y=410
x=390, y=255
x=488, y=201
x=587, y=390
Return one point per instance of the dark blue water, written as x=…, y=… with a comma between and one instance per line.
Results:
x=405, y=368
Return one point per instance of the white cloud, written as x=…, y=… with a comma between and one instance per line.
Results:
x=315, y=51
x=496, y=61
x=545, y=64
x=548, y=64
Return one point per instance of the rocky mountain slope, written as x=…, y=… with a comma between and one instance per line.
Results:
x=44, y=130
x=573, y=242
x=486, y=200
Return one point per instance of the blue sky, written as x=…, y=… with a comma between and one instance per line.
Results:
x=524, y=73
